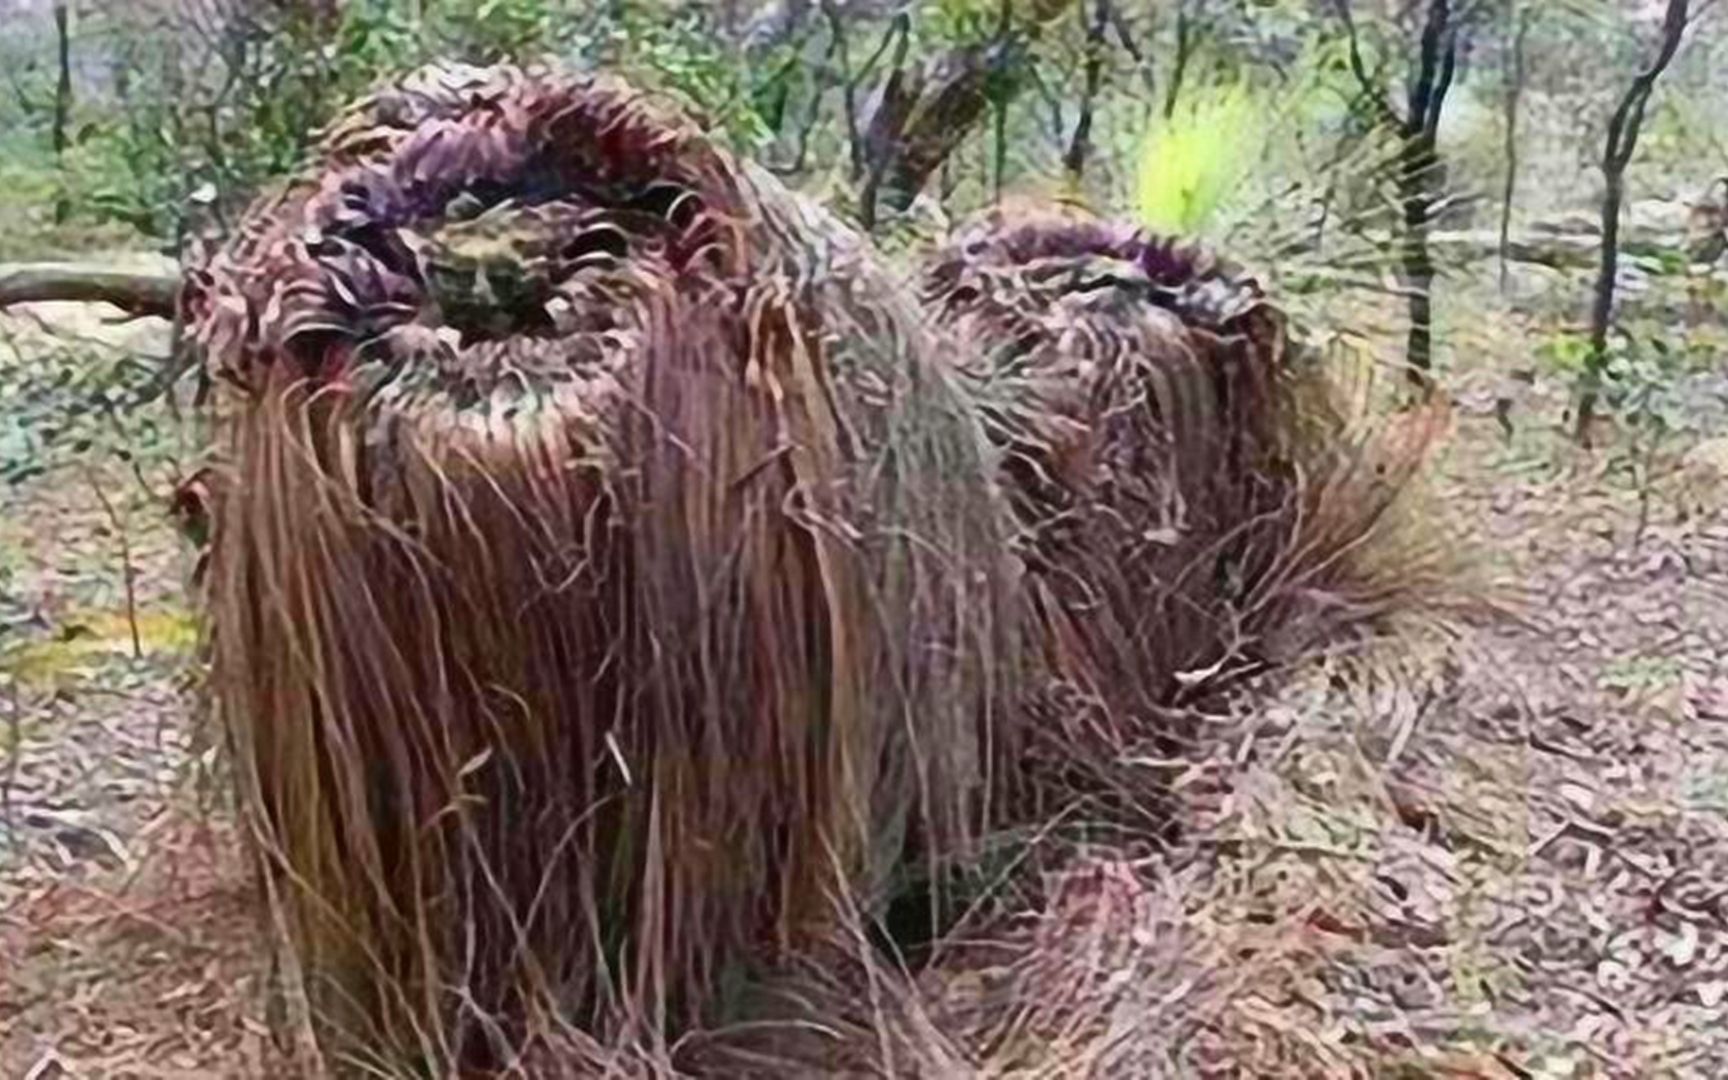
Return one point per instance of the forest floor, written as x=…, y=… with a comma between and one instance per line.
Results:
x=1507, y=855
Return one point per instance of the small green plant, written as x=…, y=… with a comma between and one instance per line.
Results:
x=1647, y=387
x=1635, y=676
x=495, y=30
x=1566, y=354
x=72, y=403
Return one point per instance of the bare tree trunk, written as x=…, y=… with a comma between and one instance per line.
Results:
x=1622, y=143
x=1419, y=179
x=923, y=114
x=1514, y=97
x=1074, y=161
x=894, y=102
x=1418, y=265
x=62, y=105
x=839, y=47
x=1419, y=167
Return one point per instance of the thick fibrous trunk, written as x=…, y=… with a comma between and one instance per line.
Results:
x=583, y=574
x=1189, y=505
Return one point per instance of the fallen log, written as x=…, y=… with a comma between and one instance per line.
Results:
x=1561, y=250
x=138, y=293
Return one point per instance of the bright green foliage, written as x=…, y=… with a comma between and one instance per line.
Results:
x=1192, y=162
x=496, y=30
x=1198, y=167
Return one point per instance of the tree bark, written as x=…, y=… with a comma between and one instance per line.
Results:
x=894, y=102
x=1184, y=50
x=1622, y=143
x=62, y=105
x=1514, y=97
x=922, y=115
x=1074, y=161
x=1419, y=181
x=137, y=294
x=1418, y=176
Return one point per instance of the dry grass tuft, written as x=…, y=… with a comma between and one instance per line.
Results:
x=1099, y=974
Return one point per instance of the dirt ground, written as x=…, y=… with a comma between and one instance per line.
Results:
x=1508, y=855
x=1505, y=854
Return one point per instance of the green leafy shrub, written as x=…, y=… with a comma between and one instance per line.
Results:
x=70, y=401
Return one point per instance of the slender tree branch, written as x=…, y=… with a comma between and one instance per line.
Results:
x=1074, y=161
x=62, y=105
x=1443, y=83
x=898, y=27
x=1618, y=149
x=1125, y=38
x=1514, y=96
x=129, y=574
x=1436, y=32
x=1369, y=86
x=1056, y=123
x=137, y=294
x=812, y=114
x=1184, y=51
x=840, y=49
